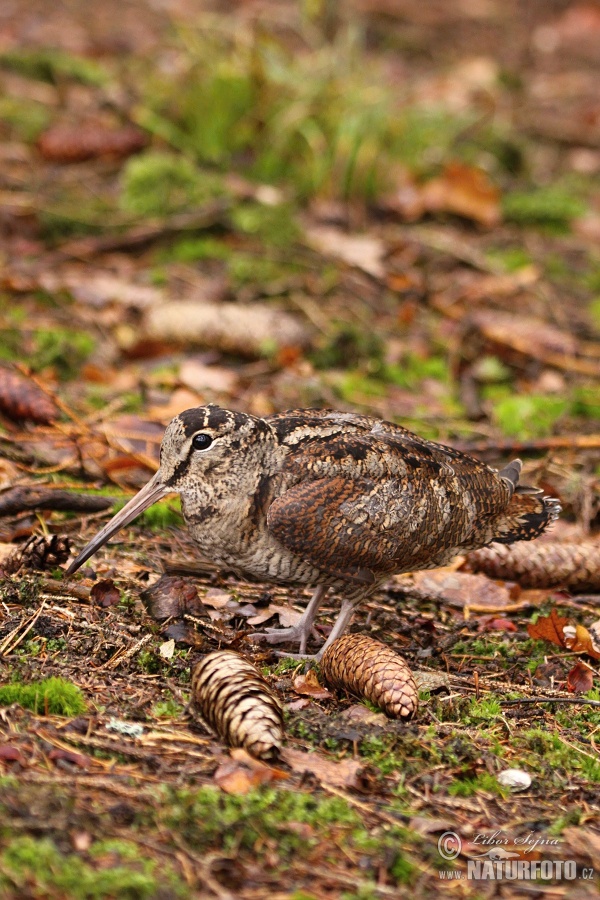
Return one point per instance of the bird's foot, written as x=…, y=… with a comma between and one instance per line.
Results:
x=297, y=634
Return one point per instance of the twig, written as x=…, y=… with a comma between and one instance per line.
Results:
x=550, y=700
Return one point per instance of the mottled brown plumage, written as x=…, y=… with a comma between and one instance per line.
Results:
x=330, y=499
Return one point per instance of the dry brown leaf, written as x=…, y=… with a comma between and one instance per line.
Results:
x=359, y=714
x=104, y=593
x=77, y=143
x=549, y=628
x=171, y=596
x=199, y=377
x=242, y=773
x=339, y=773
x=466, y=191
x=98, y=288
x=462, y=590
x=582, y=841
x=22, y=399
x=581, y=678
x=308, y=685
x=361, y=250
x=216, y=598
x=579, y=639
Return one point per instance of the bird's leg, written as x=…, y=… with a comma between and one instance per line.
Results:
x=300, y=632
x=340, y=625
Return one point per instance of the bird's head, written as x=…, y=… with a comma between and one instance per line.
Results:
x=201, y=446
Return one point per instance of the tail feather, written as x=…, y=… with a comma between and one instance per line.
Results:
x=529, y=512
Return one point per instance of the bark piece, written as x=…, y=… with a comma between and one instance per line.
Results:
x=370, y=670
x=235, y=701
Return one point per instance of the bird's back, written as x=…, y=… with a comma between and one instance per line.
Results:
x=365, y=498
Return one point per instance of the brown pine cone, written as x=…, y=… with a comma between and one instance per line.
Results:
x=572, y=564
x=235, y=700
x=370, y=670
x=39, y=552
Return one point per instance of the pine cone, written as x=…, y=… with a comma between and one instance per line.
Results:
x=572, y=564
x=39, y=552
x=235, y=700
x=370, y=670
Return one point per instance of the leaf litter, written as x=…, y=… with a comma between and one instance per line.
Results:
x=417, y=254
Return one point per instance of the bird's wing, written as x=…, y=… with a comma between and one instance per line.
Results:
x=339, y=525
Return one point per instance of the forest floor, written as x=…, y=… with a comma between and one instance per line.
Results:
x=389, y=207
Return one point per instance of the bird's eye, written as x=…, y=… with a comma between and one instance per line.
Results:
x=201, y=441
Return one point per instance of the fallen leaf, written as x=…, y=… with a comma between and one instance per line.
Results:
x=549, y=628
x=73, y=144
x=302, y=703
x=581, y=678
x=489, y=623
x=105, y=593
x=167, y=649
x=241, y=773
x=466, y=191
x=360, y=714
x=288, y=617
x=216, y=598
x=308, y=685
x=171, y=596
x=476, y=593
x=340, y=773
x=22, y=399
x=199, y=377
x=8, y=753
x=361, y=250
x=579, y=639
x=69, y=756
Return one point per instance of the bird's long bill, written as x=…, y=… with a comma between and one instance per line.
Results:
x=148, y=495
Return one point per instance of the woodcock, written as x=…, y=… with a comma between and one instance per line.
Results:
x=329, y=499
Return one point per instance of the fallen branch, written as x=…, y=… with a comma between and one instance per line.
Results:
x=22, y=499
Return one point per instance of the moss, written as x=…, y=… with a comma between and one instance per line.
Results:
x=268, y=818
x=467, y=787
x=161, y=515
x=168, y=708
x=159, y=184
x=553, y=205
x=195, y=249
x=53, y=695
x=347, y=347
x=25, y=119
x=274, y=225
x=53, y=65
x=529, y=415
x=63, y=349
x=117, y=869
x=510, y=258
